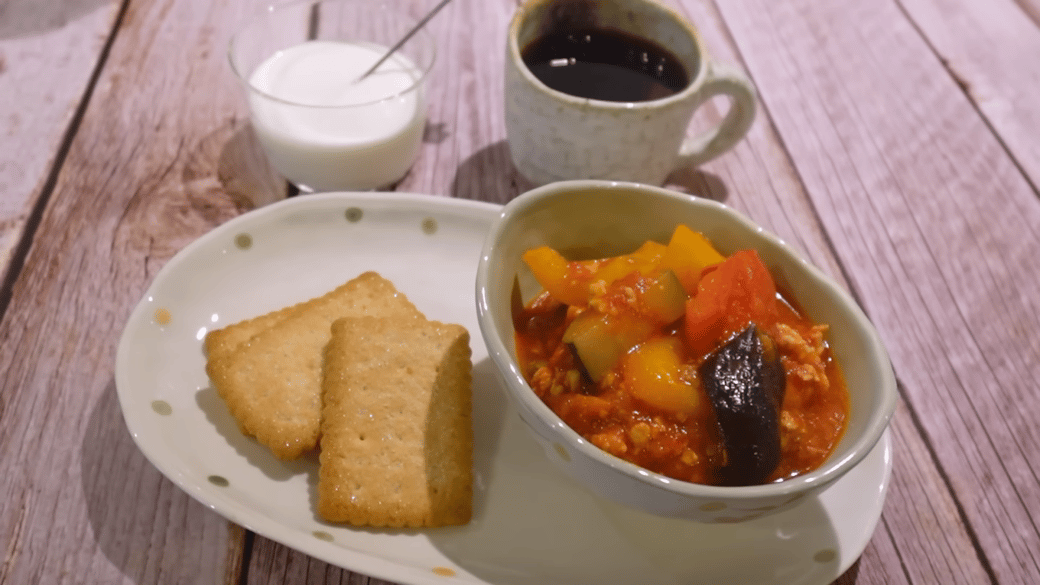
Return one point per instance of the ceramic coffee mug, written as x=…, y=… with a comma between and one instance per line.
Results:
x=554, y=135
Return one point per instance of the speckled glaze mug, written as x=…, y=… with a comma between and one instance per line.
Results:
x=557, y=136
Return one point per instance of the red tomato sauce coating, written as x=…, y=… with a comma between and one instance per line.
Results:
x=683, y=440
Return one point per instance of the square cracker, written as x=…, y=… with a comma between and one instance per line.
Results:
x=397, y=436
x=271, y=382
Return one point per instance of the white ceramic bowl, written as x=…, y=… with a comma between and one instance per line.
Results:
x=613, y=218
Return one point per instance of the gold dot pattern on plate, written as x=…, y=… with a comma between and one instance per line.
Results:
x=562, y=451
x=162, y=316
x=218, y=481
x=244, y=241
x=322, y=535
x=825, y=556
x=162, y=407
x=353, y=214
x=429, y=226
x=713, y=507
x=444, y=571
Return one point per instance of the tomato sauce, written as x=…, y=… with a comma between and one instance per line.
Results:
x=682, y=442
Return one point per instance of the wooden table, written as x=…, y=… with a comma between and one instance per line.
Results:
x=897, y=146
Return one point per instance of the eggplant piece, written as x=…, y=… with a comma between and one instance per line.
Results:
x=744, y=380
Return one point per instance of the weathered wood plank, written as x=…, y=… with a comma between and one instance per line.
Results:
x=937, y=230
x=920, y=538
x=759, y=178
x=464, y=153
x=139, y=182
x=274, y=564
x=47, y=56
x=990, y=48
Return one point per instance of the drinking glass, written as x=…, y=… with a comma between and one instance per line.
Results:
x=321, y=125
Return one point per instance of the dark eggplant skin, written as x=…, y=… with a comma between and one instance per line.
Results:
x=745, y=383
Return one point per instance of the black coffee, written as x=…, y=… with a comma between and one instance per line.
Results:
x=605, y=65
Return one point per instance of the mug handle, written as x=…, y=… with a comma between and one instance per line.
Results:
x=721, y=79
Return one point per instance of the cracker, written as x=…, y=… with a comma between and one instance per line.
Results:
x=221, y=343
x=271, y=382
x=397, y=437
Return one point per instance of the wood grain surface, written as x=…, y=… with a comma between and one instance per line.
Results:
x=952, y=332
x=64, y=48
x=897, y=146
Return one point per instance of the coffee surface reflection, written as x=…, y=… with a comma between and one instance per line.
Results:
x=605, y=65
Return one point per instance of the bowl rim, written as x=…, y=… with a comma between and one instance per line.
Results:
x=830, y=471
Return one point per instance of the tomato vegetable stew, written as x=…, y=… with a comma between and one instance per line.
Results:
x=683, y=361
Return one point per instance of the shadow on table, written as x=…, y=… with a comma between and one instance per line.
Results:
x=698, y=182
x=244, y=172
x=849, y=577
x=489, y=175
x=116, y=479
x=20, y=18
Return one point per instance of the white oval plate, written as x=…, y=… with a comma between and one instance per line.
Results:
x=531, y=525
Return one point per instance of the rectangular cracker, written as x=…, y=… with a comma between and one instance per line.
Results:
x=397, y=437
x=220, y=343
x=271, y=382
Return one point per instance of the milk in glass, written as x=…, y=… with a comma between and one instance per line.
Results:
x=324, y=129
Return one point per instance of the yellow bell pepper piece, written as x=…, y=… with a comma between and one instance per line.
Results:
x=653, y=373
x=687, y=255
x=645, y=260
x=556, y=276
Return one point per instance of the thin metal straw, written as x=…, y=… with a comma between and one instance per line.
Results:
x=404, y=40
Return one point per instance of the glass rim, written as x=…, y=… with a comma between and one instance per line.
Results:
x=271, y=10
